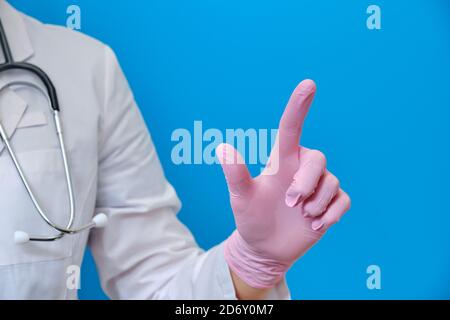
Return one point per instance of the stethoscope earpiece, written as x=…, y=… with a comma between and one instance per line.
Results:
x=21, y=237
x=100, y=220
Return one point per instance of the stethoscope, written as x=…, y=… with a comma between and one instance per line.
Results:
x=100, y=219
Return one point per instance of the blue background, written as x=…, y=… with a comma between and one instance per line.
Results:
x=381, y=116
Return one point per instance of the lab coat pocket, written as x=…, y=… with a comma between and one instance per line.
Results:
x=33, y=119
x=44, y=171
x=12, y=109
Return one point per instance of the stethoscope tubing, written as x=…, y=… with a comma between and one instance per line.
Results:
x=100, y=219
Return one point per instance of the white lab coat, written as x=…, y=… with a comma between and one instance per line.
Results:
x=144, y=252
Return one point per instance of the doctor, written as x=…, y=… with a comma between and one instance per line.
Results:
x=143, y=252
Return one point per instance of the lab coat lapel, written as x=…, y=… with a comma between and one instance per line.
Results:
x=16, y=31
x=12, y=107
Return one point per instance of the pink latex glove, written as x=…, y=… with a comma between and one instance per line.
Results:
x=280, y=214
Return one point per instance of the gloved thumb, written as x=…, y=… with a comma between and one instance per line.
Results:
x=236, y=173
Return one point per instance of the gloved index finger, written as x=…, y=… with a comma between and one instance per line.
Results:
x=294, y=115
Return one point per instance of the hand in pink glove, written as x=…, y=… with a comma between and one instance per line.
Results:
x=283, y=212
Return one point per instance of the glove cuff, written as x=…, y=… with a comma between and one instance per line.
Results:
x=250, y=266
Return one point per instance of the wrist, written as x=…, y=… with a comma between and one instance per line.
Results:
x=246, y=292
x=251, y=265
